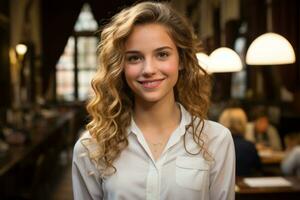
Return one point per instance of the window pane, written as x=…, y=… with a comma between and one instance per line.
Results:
x=84, y=79
x=66, y=60
x=65, y=85
x=84, y=93
x=86, y=20
x=87, y=57
x=239, y=79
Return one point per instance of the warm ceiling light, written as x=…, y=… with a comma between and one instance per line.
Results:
x=21, y=49
x=224, y=60
x=270, y=49
x=203, y=60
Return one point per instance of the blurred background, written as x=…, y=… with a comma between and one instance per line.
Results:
x=48, y=57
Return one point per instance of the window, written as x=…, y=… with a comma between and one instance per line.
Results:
x=78, y=63
x=239, y=79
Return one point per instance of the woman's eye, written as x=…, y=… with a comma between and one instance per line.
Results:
x=133, y=58
x=163, y=54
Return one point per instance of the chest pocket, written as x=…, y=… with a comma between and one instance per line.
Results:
x=192, y=173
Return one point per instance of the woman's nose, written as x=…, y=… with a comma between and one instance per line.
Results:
x=149, y=67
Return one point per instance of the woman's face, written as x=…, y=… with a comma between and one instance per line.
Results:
x=151, y=63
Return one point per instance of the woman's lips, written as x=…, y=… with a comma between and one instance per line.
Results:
x=151, y=84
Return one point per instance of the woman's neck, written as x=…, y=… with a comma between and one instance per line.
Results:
x=163, y=114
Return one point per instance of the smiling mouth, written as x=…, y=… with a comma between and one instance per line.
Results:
x=151, y=84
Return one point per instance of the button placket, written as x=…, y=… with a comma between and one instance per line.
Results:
x=152, y=183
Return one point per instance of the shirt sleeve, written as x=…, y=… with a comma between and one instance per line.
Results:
x=87, y=184
x=222, y=177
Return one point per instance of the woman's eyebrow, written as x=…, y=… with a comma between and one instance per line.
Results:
x=158, y=49
x=163, y=48
x=132, y=52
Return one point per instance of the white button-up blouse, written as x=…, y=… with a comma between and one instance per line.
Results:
x=175, y=175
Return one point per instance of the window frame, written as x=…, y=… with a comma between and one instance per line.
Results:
x=76, y=70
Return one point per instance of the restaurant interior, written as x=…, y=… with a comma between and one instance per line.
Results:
x=250, y=48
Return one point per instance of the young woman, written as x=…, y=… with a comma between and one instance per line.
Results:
x=148, y=137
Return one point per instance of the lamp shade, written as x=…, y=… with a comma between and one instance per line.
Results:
x=224, y=59
x=270, y=49
x=203, y=60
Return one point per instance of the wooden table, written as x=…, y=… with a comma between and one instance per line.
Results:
x=271, y=157
x=245, y=192
x=271, y=161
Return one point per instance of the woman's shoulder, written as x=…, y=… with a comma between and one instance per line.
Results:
x=81, y=144
x=219, y=141
x=216, y=136
x=215, y=130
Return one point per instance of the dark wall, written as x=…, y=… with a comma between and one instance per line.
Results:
x=286, y=21
x=4, y=54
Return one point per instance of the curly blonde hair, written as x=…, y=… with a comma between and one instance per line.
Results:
x=111, y=107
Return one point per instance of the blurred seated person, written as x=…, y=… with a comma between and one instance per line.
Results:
x=261, y=132
x=247, y=159
x=290, y=165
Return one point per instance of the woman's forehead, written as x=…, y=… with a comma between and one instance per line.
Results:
x=150, y=35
